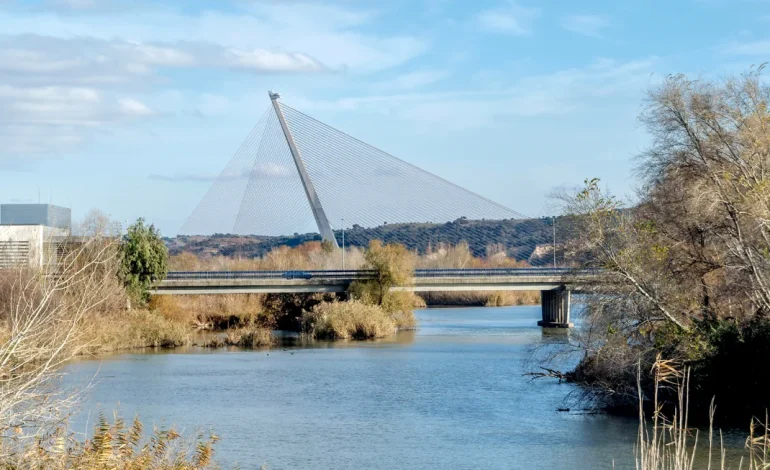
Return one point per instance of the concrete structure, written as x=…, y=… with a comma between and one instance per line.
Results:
x=30, y=233
x=555, y=304
x=36, y=214
x=324, y=228
x=34, y=245
x=554, y=287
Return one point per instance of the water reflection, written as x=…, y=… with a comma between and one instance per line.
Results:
x=450, y=395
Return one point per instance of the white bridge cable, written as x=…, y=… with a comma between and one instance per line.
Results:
x=211, y=214
x=439, y=200
x=260, y=192
x=274, y=202
x=330, y=148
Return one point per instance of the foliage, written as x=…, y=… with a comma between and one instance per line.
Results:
x=481, y=298
x=213, y=312
x=284, y=311
x=393, y=266
x=42, y=319
x=516, y=239
x=114, y=445
x=685, y=273
x=131, y=330
x=348, y=320
x=144, y=259
x=667, y=442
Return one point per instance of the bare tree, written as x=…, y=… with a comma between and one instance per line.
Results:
x=42, y=326
x=695, y=249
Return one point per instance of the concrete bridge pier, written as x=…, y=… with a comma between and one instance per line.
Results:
x=556, y=305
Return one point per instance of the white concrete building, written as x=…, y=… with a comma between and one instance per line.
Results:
x=31, y=233
x=34, y=245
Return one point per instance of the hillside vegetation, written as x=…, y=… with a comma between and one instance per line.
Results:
x=527, y=240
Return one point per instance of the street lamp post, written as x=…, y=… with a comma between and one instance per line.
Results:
x=343, y=244
x=553, y=223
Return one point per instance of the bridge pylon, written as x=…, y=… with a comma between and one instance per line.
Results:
x=556, y=308
x=324, y=228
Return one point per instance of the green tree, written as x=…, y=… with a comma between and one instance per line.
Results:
x=393, y=265
x=144, y=260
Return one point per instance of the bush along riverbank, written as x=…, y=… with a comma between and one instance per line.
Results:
x=102, y=283
x=684, y=274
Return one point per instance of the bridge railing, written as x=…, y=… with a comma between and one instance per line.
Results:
x=362, y=274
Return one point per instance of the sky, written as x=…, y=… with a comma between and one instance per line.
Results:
x=133, y=107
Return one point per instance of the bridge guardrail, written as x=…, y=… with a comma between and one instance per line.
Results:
x=362, y=274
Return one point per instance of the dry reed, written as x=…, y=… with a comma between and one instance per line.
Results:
x=348, y=320
x=668, y=443
x=114, y=445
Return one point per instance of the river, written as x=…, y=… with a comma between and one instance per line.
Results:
x=450, y=395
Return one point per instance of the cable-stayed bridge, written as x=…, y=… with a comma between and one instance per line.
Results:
x=555, y=284
x=294, y=174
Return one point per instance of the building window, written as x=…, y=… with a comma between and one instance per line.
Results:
x=13, y=253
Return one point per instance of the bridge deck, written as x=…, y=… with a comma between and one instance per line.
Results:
x=425, y=280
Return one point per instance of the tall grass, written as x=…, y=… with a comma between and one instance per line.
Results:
x=348, y=320
x=481, y=298
x=666, y=442
x=132, y=329
x=212, y=312
x=114, y=445
x=311, y=255
x=249, y=338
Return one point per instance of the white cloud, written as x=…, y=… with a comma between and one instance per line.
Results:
x=330, y=35
x=132, y=107
x=74, y=4
x=758, y=48
x=586, y=25
x=552, y=94
x=514, y=19
x=101, y=63
x=411, y=80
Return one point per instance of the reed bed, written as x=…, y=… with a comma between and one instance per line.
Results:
x=248, y=338
x=211, y=312
x=666, y=442
x=106, y=332
x=348, y=320
x=481, y=298
x=113, y=445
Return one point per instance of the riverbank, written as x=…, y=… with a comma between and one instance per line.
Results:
x=456, y=386
x=247, y=319
x=480, y=298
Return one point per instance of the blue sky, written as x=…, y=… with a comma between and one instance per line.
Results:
x=133, y=107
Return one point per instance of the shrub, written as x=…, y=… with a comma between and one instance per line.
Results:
x=133, y=329
x=250, y=338
x=217, y=312
x=348, y=320
x=144, y=259
x=113, y=445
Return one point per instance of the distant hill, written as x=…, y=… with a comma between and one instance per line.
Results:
x=523, y=239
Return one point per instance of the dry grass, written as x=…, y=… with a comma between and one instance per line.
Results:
x=312, y=256
x=251, y=338
x=670, y=444
x=133, y=329
x=307, y=256
x=348, y=320
x=211, y=312
x=481, y=298
x=114, y=445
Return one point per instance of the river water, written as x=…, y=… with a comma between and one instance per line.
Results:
x=450, y=395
